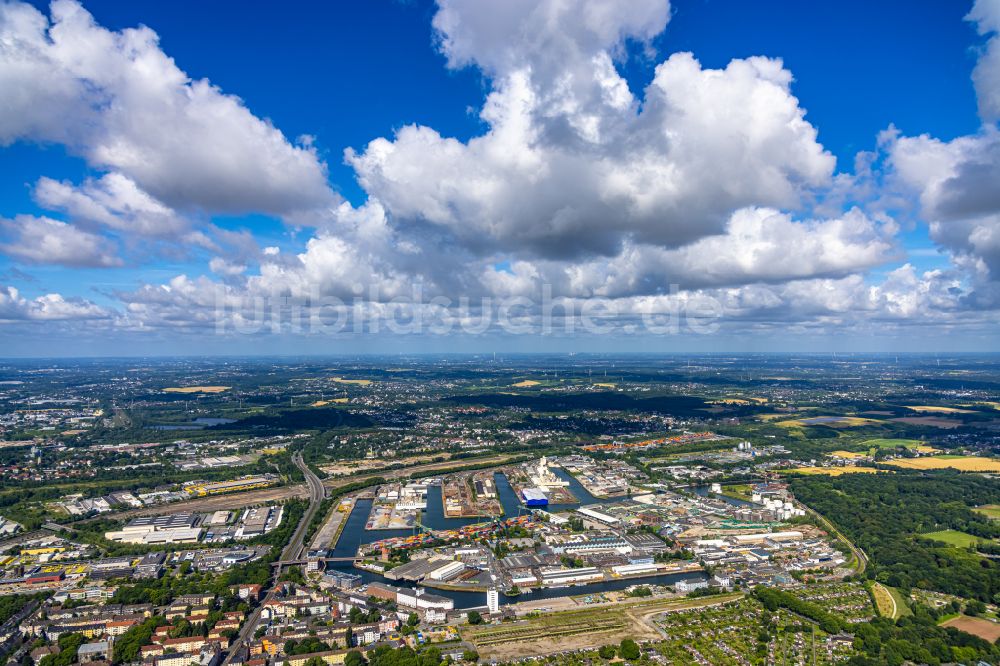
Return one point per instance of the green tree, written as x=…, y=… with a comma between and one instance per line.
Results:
x=354, y=658
x=607, y=652
x=475, y=617
x=128, y=644
x=975, y=608
x=629, y=649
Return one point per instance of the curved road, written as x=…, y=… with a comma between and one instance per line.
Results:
x=859, y=554
x=885, y=590
x=317, y=493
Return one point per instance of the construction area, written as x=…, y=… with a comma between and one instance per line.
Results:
x=590, y=628
x=471, y=495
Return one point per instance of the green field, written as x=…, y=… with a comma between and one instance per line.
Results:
x=892, y=443
x=990, y=511
x=741, y=491
x=953, y=538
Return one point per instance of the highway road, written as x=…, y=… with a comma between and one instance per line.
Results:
x=317, y=493
x=292, y=551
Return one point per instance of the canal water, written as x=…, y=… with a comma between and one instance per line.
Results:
x=578, y=491
x=354, y=534
x=478, y=599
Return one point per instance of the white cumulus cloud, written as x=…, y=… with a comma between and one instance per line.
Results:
x=49, y=307
x=986, y=75
x=42, y=240
x=121, y=103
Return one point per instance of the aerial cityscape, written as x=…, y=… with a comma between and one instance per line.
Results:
x=459, y=332
x=708, y=509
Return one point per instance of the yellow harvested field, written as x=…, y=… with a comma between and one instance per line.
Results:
x=605, y=385
x=850, y=455
x=933, y=409
x=526, y=383
x=961, y=463
x=321, y=403
x=197, y=389
x=833, y=471
x=926, y=449
x=739, y=401
x=359, y=382
x=884, y=602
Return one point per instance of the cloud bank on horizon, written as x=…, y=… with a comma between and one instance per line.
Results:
x=707, y=183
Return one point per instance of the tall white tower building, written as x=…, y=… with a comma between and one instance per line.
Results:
x=493, y=600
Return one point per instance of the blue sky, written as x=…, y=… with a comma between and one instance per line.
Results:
x=349, y=72
x=346, y=74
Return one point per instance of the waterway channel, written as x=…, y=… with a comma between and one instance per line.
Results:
x=354, y=534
